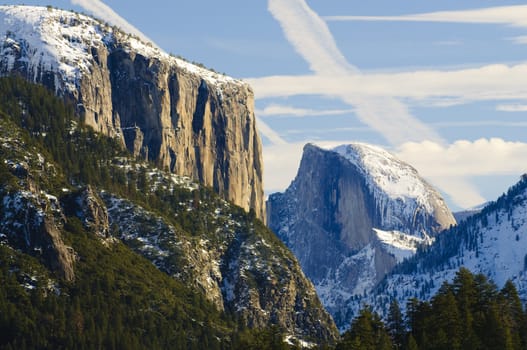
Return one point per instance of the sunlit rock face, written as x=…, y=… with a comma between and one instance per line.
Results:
x=351, y=214
x=185, y=118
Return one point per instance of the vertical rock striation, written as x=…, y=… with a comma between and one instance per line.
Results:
x=351, y=214
x=185, y=118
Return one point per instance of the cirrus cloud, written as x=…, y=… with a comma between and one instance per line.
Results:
x=105, y=12
x=508, y=15
x=486, y=83
x=280, y=110
x=310, y=36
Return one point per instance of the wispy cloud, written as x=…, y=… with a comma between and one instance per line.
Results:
x=311, y=38
x=480, y=123
x=325, y=131
x=508, y=15
x=280, y=110
x=487, y=83
x=449, y=43
x=512, y=108
x=271, y=135
x=521, y=40
x=105, y=12
x=448, y=167
x=281, y=165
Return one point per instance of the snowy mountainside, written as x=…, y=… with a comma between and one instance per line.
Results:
x=398, y=190
x=492, y=242
x=59, y=41
x=189, y=119
x=368, y=210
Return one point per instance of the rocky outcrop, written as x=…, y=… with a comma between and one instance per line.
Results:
x=254, y=278
x=90, y=209
x=187, y=119
x=351, y=214
x=212, y=247
x=30, y=224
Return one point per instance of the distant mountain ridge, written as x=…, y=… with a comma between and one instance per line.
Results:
x=351, y=214
x=492, y=242
x=187, y=119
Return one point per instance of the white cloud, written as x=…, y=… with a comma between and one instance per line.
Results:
x=466, y=158
x=311, y=38
x=508, y=15
x=449, y=43
x=521, y=40
x=326, y=131
x=105, y=12
x=281, y=165
x=491, y=82
x=449, y=167
x=459, y=190
x=512, y=108
x=270, y=134
x=480, y=123
x=279, y=110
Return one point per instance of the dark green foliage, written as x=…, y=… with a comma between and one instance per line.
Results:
x=367, y=332
x=396, y=326
x=118, y=299
x=271, y=338
x=469, y=313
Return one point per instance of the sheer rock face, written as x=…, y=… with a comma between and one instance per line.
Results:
x=31, y=222
x=187, y=119
x=347, y=226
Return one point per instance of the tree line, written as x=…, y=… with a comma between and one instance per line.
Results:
x=469, y=313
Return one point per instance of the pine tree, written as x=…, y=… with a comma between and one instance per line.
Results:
x=395, y=325
x=446, y=320
x=513, y=316
x=367, y=332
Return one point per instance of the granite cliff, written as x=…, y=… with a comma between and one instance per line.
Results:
x=350, y=215
x=67, y=192
x=185, y=118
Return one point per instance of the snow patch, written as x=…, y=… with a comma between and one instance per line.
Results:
x=400, y=244
x=61, y=42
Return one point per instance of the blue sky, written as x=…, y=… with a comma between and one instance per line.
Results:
x=443, y=84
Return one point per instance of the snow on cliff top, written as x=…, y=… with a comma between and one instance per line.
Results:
x=385, y=172
x=60, y=41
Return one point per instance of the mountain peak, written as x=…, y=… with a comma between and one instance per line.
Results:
x=61, y=41
x=188, y=119
x=492, y=242
x=368, y=209
x=390, y=179
x=396, y=178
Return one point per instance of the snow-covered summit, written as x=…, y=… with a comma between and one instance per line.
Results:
x=387, y=173
x=367, y=209
x=396, y=185
x=53, y=40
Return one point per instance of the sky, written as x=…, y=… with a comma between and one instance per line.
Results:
x=441, y=84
